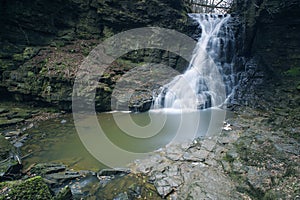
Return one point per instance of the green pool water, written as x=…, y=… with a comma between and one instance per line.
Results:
x=133, y=135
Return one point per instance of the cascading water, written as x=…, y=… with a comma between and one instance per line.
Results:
x=209, y=78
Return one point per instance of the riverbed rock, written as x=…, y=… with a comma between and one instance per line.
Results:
x=65, y=193
x=113, y=172
x=254, y=160
x=42, y=169
x=10, y=162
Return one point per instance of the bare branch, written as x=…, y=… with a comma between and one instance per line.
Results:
x=211, y=6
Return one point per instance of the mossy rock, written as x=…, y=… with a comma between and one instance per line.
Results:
x=31, y=189
x=5, y=148
x=295, y=71
x=18, y=57
x=9, y=166
x=65, y=193
x=9, y=122
x=30, y=52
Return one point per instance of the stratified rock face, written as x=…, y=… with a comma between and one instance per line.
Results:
x=42, y=43
x=272, y=32
x=37, y=22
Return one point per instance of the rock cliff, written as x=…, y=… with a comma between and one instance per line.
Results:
x=42, y=43
x=271, y=32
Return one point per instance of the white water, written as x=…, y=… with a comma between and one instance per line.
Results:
x=209, y=78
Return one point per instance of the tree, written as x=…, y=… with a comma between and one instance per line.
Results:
x=210, y=6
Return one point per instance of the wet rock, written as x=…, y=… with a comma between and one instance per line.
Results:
x=18, y=144
x=121, y=196
x=83, y=186
x=10, y=163
x=3, y=110
x=12, y=133
x=113, y=172
x=106, y=175
x=135, y=191
x=47, y=168
x=62, y=177
x=64, y=194
x=5, y=148
x=10, y=122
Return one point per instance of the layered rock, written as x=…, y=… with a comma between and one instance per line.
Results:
x=43, y=43
x=271, y=32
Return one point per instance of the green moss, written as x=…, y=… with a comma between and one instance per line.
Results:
x=6, y=64
x=107, y=32
x=29, y=52
x=64, y=194
x=270, y=195
x=58, y=44
x=295, y=71
x=30, y=74
x=18, y=57
x=228, y=158
x=31, y=189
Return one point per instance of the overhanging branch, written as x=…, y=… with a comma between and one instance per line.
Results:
x=210, y=6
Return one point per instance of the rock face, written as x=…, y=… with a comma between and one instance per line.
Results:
x=43, y=43
x=271, y=32
x=268, y=41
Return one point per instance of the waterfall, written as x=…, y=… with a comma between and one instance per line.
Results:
x=209, y=78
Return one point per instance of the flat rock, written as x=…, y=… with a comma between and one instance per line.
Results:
x=9, y=122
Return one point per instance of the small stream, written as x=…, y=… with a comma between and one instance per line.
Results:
x=56, y=140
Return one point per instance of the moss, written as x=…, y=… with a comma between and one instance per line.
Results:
x=6, y=64
x=65, y=193
x=107, y=32
x=270, y=195
x=228, y=158
x=58, y=44
x=128, y=184
x=29, y=52
x=30, y=74
x=33, y=188
x=18, y=57
x=295, y=71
